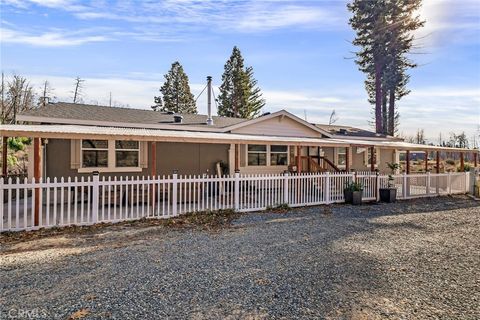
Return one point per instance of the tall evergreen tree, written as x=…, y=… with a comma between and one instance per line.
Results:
x=240, y=97
x=176, y=92
x=384, y=34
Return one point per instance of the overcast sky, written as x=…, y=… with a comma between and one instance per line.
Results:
x=300, y=52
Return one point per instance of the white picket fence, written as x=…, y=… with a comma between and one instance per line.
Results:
x=30, y=204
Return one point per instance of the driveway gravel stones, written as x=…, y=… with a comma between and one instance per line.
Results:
x=417, y=259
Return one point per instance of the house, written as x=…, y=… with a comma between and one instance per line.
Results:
x=78, y=139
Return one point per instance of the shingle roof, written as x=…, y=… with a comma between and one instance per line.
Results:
x=86, y=112
x=348, y=131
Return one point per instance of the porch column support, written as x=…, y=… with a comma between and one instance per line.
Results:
x=4, y=157
x=475, y=160
x=438, y=161
x=347, y=159
x=299, y=162
x=462, y=162
x=426, y=161
x=237, y=157
x=372, y=159
x=408, y=162
x=36, y=175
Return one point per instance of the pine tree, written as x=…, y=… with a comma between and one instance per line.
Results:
x=240, y=97
x=384, y=34
x=176, y=92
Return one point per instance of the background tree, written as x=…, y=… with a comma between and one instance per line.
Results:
x=176, y=92
x=384, y=32
x=240, y=97
x=46, y=94
x=77, y=92
x=16, y=95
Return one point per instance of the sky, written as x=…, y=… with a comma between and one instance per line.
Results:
x=300, y=51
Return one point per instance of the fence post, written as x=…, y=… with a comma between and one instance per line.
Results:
x=237, y=190
x=285, y=187
x=377, y=186
x=327, y=186
x=449, y=183
x=428, y=183
x=95, y=193
x=174, y=192
x=405, y=187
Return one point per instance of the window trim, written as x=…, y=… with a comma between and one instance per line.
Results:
x=111, y=159
x=337, y=156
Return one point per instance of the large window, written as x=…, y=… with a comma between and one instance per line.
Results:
x=126, y=153
x=110, y=154
x=278, y=155
x=94, y=153
x=257, y=155
x=341, y=157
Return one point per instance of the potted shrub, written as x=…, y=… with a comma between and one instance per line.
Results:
x=353, y=192
x=390, y=194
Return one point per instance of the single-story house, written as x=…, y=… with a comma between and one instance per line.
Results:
x=78, y=139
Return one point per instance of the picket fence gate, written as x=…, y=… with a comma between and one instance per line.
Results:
x=30, y=204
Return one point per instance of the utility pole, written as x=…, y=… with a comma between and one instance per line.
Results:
x=209, y=100
x=110, y=102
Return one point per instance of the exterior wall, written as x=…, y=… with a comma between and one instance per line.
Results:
x=383, y=156
x=279, y=126
x=187, y=158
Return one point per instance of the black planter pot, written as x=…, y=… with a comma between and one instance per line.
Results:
x=353, y=197
x=388, y=195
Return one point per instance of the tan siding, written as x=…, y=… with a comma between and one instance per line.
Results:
x=187, y=158
x=279, y=126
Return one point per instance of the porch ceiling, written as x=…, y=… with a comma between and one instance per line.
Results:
x=142, y=134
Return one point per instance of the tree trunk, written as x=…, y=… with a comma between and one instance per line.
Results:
x=391, y=113
x=384, y=112
x=378, y=98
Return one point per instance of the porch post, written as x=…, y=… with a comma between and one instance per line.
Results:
x=4, y=157
x=299, y=162
x=426, y=161
x=372, y=159
x=36, y=175
x=237, y=157
x=407, y=170
x=475, y=161
x=347, y=159
x=438, y=161
x=462, y=162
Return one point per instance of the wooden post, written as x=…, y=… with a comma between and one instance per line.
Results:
x=462, y=162
x=36, y=174
x=237, y=158
x=347, y=159
x=475, y=161
x=407, y=170
x=299, y=162
x=372, y=159
x=308, y=159
x=438, y=161
x=426, y=161
x=4, y=157
x=153, y=158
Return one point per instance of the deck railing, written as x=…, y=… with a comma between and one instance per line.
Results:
x=30, y=204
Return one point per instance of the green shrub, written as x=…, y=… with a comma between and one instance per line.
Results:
x=353, y=186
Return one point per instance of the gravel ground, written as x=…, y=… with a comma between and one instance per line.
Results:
x=415, y=259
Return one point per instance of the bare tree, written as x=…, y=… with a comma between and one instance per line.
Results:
x=420, y=137
x=333, y=118
x=78, y=89
x=17, y=95
x=46, y=95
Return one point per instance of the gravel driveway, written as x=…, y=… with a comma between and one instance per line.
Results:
x=410, y=260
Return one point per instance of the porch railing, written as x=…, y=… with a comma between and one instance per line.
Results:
x=30, y=204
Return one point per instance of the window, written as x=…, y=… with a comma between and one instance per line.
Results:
x=369, y=156
x=278, y=155
x=341, y=157
x=94, y=153
x=126, y=153
x=257, y=155
x=110, y=155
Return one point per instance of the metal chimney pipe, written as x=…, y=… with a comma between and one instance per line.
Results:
x=209, y=101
